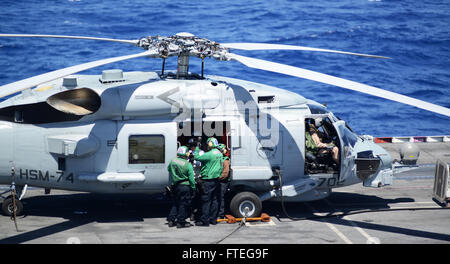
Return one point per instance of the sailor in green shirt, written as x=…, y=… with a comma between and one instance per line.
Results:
x=224, y=180
x=210, y=172
x=314, y=144
x=182, y=180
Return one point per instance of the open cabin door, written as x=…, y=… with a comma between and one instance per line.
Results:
x=347, y=152
x=147, y=148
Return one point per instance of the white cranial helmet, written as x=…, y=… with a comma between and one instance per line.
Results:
x=318, y=122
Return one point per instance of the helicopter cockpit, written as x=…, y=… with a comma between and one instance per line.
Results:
x=322, y=146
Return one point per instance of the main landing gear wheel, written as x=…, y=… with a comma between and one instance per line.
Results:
x=244, y=200
x=8, y=206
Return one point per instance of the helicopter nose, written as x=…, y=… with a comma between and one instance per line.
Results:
x=384, y=174
x=6, y=153
x=386, y=158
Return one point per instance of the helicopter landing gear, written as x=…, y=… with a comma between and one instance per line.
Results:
x=246, y=204
x=9, y=205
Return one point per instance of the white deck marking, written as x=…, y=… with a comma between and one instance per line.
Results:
x=348, y=219
x=359, y=229
x=331, y=226
x=257, y=223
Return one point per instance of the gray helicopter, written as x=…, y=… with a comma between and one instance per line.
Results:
x=117, y=132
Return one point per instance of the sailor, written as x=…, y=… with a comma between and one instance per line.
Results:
x=314, y=143
x=196, y=204
x=193, y=143
x=210, y=172
x=224, y=180
x=182, y=184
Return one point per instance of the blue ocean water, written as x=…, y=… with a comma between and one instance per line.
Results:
x=415, y=34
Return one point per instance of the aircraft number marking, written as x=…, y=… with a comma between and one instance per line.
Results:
x=330, y=182
x=61, y=173
x=38, y=175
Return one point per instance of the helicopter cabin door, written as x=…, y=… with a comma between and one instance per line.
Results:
x=146, y=148
x=347, y=152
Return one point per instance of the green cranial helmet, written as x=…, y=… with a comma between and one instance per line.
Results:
x=222, y=148
x=183, y=151
x=212, y=142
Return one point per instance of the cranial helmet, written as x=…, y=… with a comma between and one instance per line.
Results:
x=183, y=151
x=212, y=142
x=318, y=122
x=192, y=142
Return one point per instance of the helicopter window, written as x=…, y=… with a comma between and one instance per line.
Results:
x=349, y=128
x=328, y=130
x=317, y=109
x=348, y=136
x=266, y=99
x=144, y=149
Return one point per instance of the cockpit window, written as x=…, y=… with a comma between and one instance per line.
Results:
x=349, y=128
x=317, y=109
x=348, y=136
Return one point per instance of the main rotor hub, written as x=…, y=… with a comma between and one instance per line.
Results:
x=183, y=44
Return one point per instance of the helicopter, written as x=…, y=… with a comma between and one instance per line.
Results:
x=116, y=132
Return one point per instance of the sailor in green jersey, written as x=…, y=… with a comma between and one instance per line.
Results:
x=182, y=180
x=211, y=160
x=224, y=180
x=314, y=144
x=210, y=171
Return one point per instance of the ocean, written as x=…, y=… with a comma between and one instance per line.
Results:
x=415, y=34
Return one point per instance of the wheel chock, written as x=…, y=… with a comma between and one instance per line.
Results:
x=231, y=219
x=228, y=218
x=265, y=217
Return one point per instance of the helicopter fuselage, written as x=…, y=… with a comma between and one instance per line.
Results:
x=116, y=133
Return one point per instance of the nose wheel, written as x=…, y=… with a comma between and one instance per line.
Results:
x=9, y=205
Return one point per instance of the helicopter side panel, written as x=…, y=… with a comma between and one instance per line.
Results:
x=146, y=147
x=245, y=163
x=38, y=162
x=280, y=146
x=6, y=153
x=292, y=132
x=29, y=151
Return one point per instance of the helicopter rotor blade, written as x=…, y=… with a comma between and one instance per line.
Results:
x=24, y=84
x=134, y=42
x=336, y=81
x=267, y=46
